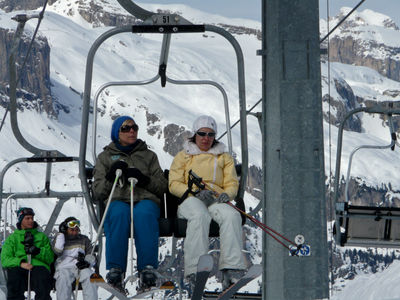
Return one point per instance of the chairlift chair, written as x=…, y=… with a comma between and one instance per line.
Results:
x=366, y=226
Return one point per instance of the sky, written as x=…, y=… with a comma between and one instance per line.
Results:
x=252, y=8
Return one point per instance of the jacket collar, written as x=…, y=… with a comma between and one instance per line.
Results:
x=192, y=149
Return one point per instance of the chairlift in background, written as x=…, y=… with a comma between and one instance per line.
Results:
x=366, y=226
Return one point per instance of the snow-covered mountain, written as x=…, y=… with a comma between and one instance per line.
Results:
x=71, y=27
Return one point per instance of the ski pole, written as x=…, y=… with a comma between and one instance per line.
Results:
x=77, y=284
x=261, y=225
x=133, y=182
x=118, y=174
x=29, y=277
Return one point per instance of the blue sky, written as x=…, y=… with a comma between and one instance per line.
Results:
x=251, y=9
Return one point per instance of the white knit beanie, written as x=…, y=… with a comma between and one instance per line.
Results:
x=206, y=122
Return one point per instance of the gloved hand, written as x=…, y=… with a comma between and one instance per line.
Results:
x=28, y=244
x=206, y=196
x=82, y=263
x=223, y=198
x=28, y=239
x=143, y=180
x=110, y=176
x=33, y=250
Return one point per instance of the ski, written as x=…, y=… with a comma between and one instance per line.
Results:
x=111, y=289
x=251, y=274
x=204, y=267
x=168, y=285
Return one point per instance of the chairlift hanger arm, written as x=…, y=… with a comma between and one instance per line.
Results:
x=135, y=10
x=381, y=108
x=391, y=145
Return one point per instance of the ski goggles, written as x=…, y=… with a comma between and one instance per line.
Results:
x=127, y=128
x=73, y=224
x=202, y=133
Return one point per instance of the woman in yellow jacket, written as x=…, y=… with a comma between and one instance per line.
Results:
x=207, y=157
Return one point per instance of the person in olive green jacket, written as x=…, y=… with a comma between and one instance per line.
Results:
x=25, y=241
x=132, y=156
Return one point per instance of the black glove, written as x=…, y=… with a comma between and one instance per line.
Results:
x=110, y=176
x=143, y=180
x=223, y=198
x=206, y=196
x=28, y=239
x=28, y=244
x=33, y=250
x=82, y=263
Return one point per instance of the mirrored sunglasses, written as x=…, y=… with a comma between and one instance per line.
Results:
x=127, y=128
x=73, y=224
x=202, y=133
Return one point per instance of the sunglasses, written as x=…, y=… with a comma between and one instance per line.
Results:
x=127, y=128
x=202, y=133
x=73, y=224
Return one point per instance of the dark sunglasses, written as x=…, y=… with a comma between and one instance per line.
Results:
x=127, y=128
x=202, y=133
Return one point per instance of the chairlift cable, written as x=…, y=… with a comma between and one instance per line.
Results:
x=41, y=14
x=237, y=122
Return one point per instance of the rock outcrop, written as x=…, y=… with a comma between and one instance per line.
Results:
x=34, y=86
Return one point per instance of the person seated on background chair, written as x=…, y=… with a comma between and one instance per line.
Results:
x=206, y=157
x=27, y=250
x=132, y=156
x=74, y=261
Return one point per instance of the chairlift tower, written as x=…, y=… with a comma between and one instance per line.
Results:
x=293, y=153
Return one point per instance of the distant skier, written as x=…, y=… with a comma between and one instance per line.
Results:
x=25, y=241
x=74, y=260
x=131, y=155
x=206, y=156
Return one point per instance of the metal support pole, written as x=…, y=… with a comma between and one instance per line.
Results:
x=293, y=153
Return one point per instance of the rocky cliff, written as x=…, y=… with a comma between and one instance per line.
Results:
x=362, y=40
x=349, y=51
x=34, y=84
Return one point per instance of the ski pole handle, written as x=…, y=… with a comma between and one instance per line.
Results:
x=133, y=181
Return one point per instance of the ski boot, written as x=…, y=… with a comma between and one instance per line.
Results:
x=230, y=277
x=147, y=278
x=115, y=277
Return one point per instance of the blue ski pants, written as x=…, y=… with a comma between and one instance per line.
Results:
x=146, y=233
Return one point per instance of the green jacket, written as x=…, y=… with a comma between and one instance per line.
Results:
x=13, y=253
x=140, y=157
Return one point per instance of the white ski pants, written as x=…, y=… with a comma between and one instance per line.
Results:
x=196, y=242
x=66, y=276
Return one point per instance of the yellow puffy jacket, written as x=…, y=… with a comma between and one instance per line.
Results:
x=215, y=167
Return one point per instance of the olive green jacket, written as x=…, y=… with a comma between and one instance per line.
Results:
x=140, y=157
